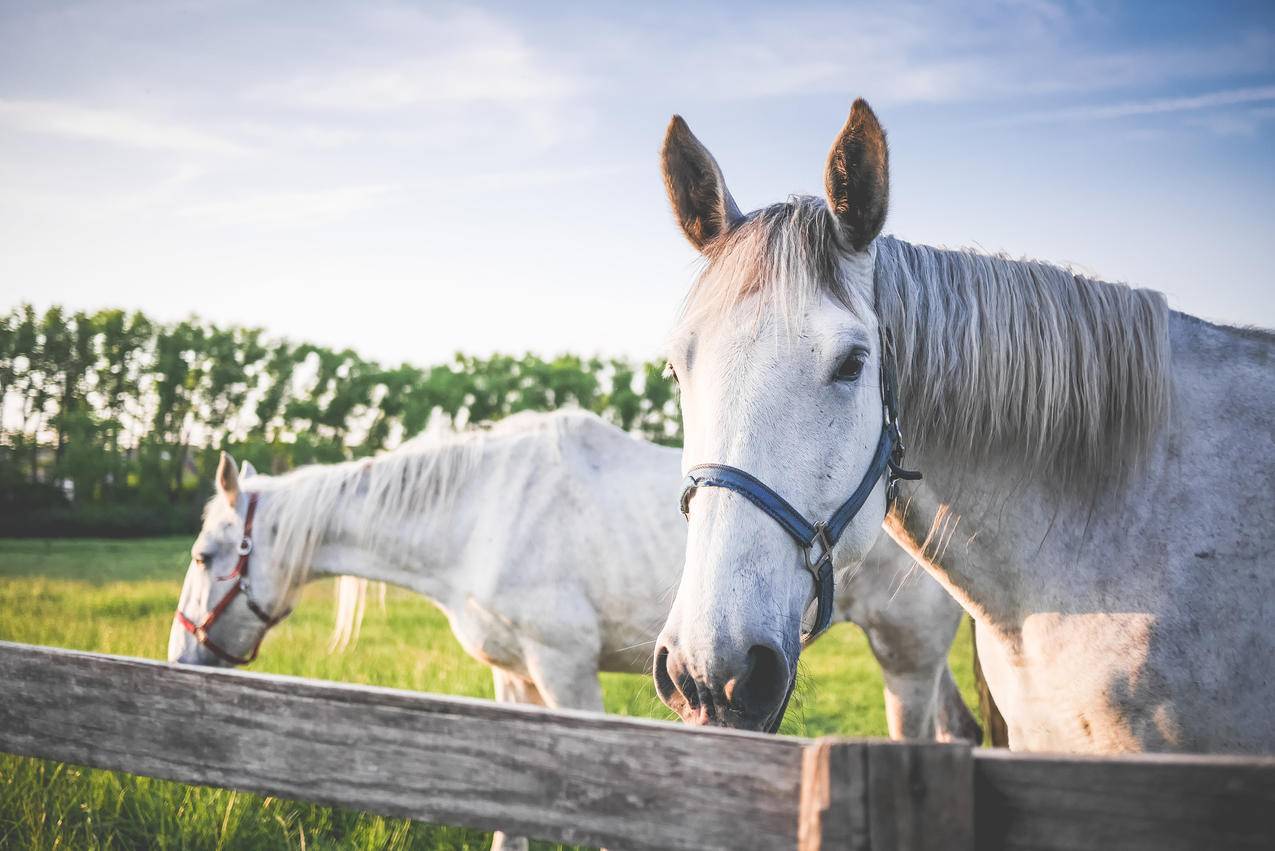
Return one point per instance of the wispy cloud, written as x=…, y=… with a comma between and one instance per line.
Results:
x=287, y=209
x=115, y=127
x=507, y=76
x=924, y=53
x=461, y=58
x=1153, y=106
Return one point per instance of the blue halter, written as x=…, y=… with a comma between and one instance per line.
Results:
x=887, y=461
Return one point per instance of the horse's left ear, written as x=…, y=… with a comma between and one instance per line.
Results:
x=857, y=179
x=228, y=478
x=247, y=471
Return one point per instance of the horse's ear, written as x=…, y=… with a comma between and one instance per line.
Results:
x=228, y=478
x=857, y=179
x=247, y=471
x=695, y=185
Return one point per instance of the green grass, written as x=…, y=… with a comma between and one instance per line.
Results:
x=118, y=597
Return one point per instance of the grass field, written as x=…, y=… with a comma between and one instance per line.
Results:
x=118, y=597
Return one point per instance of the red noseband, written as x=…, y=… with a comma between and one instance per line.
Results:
x=200, y=630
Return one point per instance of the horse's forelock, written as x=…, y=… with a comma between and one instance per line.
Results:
x=782, y=258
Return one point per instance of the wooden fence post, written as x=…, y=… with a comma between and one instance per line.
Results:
x=834, y=797
x=879, y=796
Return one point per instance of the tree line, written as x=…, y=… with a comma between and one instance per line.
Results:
x=112, y=422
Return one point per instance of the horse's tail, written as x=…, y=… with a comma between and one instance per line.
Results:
x=351, y=601
x=994, y=726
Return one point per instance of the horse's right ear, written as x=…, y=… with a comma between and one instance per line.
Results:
x=228, y=479
x=695, y=185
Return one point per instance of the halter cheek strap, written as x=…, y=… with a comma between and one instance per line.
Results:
x=886, y=461
x=200, y=630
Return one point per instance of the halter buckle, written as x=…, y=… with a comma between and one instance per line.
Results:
x=821, y=538
x=689, y=484
x=245, y=546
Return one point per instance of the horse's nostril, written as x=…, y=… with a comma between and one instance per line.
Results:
x=674, y=683
x=664, y=684
x=762, y=683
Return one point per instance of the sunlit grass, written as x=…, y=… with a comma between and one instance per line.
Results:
x=118, y=597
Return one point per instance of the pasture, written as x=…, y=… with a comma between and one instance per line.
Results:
x=117, y=597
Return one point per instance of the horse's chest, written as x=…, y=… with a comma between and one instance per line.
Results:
x=1081, y=682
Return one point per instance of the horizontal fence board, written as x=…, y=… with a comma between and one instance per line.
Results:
x=1149, y=801
x=570, y=777
x=601, y=780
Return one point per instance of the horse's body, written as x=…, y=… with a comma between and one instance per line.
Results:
x=1142, y=617
x=552, y=543
x=1099, y=486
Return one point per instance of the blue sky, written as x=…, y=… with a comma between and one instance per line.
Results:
x=413, y=179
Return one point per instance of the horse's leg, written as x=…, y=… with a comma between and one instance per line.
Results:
x=922, y=700
x=988, y=710
x=955, y=722
x=910, y=698
x=561, y=682
x=910, y=636
x=910, y=622
x=566, y=680
x=511, y=688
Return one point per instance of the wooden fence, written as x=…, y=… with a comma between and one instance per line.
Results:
x=601, y=780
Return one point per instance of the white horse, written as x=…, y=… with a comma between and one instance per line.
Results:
x=552, y=542
x=1099, y=486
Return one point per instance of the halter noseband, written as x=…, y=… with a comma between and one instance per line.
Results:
x=200, y=631
x=887, y=461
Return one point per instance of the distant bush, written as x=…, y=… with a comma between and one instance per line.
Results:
x=17, y=496
x=102, y=520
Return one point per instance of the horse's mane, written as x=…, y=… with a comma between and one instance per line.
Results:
x=1010, y=361
x=377, y=498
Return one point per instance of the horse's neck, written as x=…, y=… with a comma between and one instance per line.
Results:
x=1008, y=543
x=425, y=553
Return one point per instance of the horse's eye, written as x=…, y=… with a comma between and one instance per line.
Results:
x=203, y=559
x=670, y=372
x=852, y=367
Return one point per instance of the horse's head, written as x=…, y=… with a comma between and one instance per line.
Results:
x=778, y=356
x=233, y=592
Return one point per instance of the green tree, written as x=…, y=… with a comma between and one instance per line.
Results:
x=133, y=412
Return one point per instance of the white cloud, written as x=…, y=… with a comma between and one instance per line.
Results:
x=472, y=75
x=920, y=53
x=1153, y=106
x=287, y=209
x=462, y=58
x=115, y=127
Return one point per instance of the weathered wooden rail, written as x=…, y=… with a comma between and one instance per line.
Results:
x=601, y=780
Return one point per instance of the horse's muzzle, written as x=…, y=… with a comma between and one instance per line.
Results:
x=747, y=691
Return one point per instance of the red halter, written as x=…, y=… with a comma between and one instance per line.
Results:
x=200, y=631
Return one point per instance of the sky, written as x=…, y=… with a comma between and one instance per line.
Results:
x=410, y=180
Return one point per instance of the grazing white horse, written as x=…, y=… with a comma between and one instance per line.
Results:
x=552, y=542
x=1099, y=486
